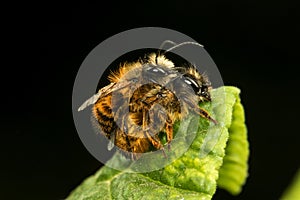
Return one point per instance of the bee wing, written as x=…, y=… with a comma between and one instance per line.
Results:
x=95, y=97
x=90, y=101
x=112, y=87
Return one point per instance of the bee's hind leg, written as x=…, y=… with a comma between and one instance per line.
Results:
x=155, y=141
x=169, y=131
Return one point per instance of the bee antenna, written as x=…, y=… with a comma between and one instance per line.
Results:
x=162, y=45
x=183, y=43
x=166, y=42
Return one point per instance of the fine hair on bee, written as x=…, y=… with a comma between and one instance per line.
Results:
x=145, y=98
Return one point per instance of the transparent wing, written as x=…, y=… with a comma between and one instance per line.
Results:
x=90, y=101
x=95, y=97
x=105, y=90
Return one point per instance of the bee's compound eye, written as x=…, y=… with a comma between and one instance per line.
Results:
x=192, y=83
x=188, y=81
x=156, y=70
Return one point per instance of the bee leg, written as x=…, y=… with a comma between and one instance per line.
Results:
x=200, y=111
x=169, y=131
x=152, y=138
x=205, y=114
x=155, y=142
x=133, y=157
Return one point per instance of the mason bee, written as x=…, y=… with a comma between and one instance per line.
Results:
x=145, y=98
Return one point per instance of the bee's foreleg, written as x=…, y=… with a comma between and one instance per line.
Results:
x=202, y=112
x=205, y=114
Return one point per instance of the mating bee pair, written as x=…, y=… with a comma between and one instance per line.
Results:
x=145, y=98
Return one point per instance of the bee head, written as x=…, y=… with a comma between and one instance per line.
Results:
x=200, y=83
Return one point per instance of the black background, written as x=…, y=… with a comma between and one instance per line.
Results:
x=253, y=43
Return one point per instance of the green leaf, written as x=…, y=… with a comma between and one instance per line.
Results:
x=234, y=170
x=196, y=173
x=293, y=192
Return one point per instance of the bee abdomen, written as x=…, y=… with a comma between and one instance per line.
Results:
x=103, y=113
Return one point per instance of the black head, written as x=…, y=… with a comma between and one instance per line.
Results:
x=200, y=83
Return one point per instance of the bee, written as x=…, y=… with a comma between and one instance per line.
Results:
x=145, y=98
